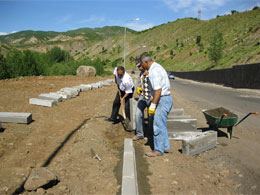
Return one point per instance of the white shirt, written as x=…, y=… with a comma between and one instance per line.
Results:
x=125, y=83
x=159, y=78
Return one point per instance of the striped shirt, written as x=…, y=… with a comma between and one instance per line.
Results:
x=159, y=79
x=146, y=89
x=125, y=83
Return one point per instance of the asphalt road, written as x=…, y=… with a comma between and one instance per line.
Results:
x=210, y=96
x=242, y=151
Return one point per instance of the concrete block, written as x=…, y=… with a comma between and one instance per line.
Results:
x=179, y=117
x=129, y=175
x=73, y=91
x=79, y=88
x=200, y=143
x=133, y=107
x=95, y=86
x=176, y=112
x=110, y=80
x=0, y=125
x=181, y=125
x=105, y=83
x=86, y=87
x=47, y=96
x=15, y=117
x=42, y=102
x=64, y=95
x=183, y=135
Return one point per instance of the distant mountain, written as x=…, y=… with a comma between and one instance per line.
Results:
x=181, y=45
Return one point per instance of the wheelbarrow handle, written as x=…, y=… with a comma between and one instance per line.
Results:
x=256, y=113
x=223, y=115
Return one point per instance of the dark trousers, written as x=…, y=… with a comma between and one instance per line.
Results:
x=117, y=104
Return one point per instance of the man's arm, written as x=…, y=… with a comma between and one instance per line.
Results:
x=156, y=98
x=157, y=95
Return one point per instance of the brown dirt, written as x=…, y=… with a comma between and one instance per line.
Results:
x=61, y=137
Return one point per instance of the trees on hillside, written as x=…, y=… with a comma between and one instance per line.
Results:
x=215, y=49
x=54, y=62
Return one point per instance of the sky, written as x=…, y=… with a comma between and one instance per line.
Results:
x=64, y=15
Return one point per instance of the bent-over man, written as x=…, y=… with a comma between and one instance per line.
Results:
x=125, y=92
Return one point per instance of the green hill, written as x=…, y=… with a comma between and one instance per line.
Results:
x=181, y=45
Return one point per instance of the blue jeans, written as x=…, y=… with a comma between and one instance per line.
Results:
x=161, y=140
x=139, y=116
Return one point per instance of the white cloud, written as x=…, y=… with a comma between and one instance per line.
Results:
x=139, y=27
x=3, y=33
x=13, y=32
x=93, y=18
x=178, y=5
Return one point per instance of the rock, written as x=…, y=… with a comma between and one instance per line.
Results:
x=39, y=177
x=86, y=71
x=40, y=191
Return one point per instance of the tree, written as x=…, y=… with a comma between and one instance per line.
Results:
x=198, y=39
x=58, y=55
x=234, y=12
x=4, y=74
x=30, y=66
x=215, y=49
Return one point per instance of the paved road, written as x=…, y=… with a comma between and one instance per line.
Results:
x=241, y=152
x=209, y=96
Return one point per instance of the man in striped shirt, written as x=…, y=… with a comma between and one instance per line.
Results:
x=144, y=101
x=161, y=105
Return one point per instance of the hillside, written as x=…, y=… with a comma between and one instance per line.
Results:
x=175, y=45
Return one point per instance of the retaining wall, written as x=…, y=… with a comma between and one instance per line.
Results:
x=239, y=76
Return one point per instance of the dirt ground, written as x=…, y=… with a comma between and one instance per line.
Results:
x=62, y=137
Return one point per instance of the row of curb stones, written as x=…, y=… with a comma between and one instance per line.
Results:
x=51, y=99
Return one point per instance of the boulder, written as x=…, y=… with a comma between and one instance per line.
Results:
x=86, y=71
x=41, y=177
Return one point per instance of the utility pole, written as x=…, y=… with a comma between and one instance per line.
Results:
x=136, y=19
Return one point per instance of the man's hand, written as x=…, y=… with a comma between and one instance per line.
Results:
x=151, y=110
x=122, y=101
x=139, y=91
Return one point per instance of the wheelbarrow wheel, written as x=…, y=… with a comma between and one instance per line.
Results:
x=229, y=129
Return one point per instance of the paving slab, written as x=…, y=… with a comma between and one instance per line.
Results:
x=200, y=143
x=42, y=102
x=15, y=117
x=48, y=96
x=181, y=125
x=129, y=175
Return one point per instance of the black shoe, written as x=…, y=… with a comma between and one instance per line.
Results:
x=110, y=119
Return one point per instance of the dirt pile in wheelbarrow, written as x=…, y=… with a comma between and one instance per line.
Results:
x=218, y=113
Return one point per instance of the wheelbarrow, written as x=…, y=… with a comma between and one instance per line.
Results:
x=223, y=118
